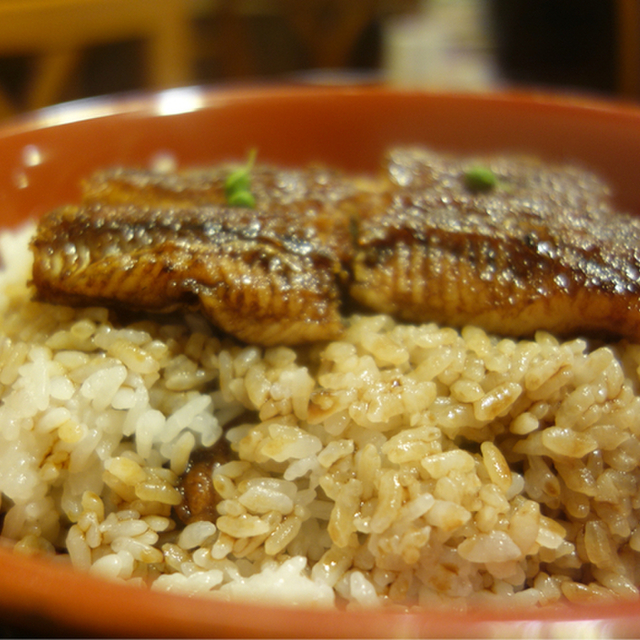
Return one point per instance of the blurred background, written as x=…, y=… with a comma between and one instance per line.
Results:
x=58, y=50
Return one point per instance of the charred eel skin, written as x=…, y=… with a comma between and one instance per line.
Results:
x=540, y=247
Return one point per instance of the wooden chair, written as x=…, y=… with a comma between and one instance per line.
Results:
x=329, y=29
x=323, y=33
x=55, y=32
x=628, y=41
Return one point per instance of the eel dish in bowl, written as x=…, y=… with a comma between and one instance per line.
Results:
x=406, y=387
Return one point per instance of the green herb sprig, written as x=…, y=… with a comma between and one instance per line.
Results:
x=237, y=186
x=480, y=178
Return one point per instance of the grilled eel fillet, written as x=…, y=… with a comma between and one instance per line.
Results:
x=541, y=249
x=156, y=242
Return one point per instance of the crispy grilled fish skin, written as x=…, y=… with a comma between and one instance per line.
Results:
x=543, y=249
x=267, y=276
x=315, y=196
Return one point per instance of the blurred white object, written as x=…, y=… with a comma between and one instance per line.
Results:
x=448, y=45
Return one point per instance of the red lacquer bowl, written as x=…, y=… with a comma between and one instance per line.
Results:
x=42, y=158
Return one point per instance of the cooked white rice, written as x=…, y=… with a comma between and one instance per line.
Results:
x=401, y=465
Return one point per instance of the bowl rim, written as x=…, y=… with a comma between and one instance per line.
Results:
x=124, y=610
x=179, y=100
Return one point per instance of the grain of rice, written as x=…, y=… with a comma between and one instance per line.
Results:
x=333, y=565
x=126, y=470
x=78, y=550
x=137, y=549
x=159, y=523
x=243, y=526
x=111, y=566
x=441, y=464
x=496, y=465
x=347, y=500
x=496, y=546
x=617, y=583
x=195, y=534
x=155, y=489
x=285, y=532
x=447, y=516
x=263, y=495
